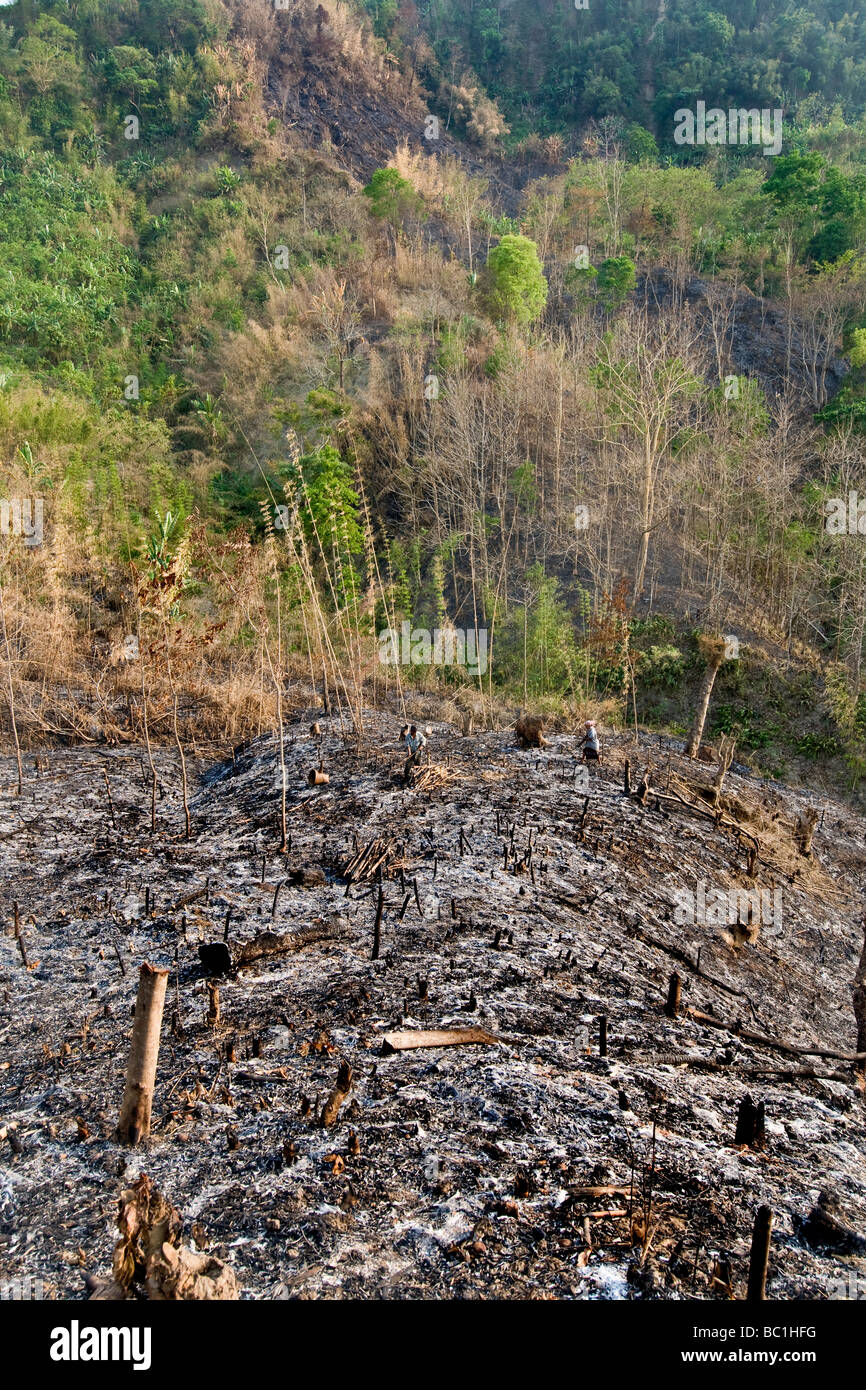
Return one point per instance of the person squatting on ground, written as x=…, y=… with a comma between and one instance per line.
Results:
x=589, y=743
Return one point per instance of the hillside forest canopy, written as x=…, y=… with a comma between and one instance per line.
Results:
x=320, y=320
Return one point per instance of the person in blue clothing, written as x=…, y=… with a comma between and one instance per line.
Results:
x=415, y=742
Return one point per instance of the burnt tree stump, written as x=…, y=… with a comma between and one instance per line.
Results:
x=750, y=1124
x=672, y=1004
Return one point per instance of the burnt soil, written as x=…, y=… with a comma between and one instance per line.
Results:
x=456, y=1172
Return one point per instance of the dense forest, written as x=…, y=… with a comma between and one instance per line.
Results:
x=283, y=365
x=554, y=65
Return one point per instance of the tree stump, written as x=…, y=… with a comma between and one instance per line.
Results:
x=672, y=1005
x=750, y=1124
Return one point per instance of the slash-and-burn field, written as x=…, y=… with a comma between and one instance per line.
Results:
x=320, y=1160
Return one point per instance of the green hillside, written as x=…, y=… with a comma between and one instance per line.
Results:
x=285, y=372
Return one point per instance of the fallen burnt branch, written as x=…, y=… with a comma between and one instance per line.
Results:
x=604, y=1190
x=185, y=901
x=269, y=943
x=258, y=1078
x=691, y=1059
x=776, y=1044
x=439, y=1037
x=686, y=959
x=718, y=817
x=823, y=1230
x=218, y=959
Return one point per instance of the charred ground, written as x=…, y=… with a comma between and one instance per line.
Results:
x=534, y=1167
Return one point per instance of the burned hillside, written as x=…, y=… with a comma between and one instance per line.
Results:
x=600, y=1139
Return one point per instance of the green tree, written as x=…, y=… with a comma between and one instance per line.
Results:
x=817, y=201
x=515, y=285
x=131, y=72
x=640, y=145
x=616, y=280
x=391, y=196
x=857, y=350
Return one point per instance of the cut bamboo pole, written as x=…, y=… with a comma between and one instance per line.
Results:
x=134, y=1123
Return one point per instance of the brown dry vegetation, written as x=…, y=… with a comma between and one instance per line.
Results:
x=696, y=508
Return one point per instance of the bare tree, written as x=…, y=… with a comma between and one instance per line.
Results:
x=713, y=652
x=649, y=382
x=336, y=314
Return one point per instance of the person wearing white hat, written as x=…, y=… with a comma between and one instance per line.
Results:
x=589, y=743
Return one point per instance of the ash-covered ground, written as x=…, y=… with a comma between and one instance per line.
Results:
x=531, y=1167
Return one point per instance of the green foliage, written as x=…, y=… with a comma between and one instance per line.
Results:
x=400, y=594
x=615, y=281
x=65, y=277
x=226, y=180
x=580, y=282
x=744, y=724
x=130, y=72
x=384, y=14
x=549, y=63
x=514, y=284
x=818, y=746
x=744, y=405
x=857, y=348
x=501, y=357
x=332, y=504
x=108, y=471
x=551, y=647
x=392, y=197
x=821, y=203
x=640, y=145
x=848, y=711
x=523, y=485
x=451, y=357
x=661, y=666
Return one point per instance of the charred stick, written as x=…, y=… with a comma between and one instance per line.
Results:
x=276, y=896
x=377, y=926
x=20, y=939
x=110, y=802
x=759, y=1256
